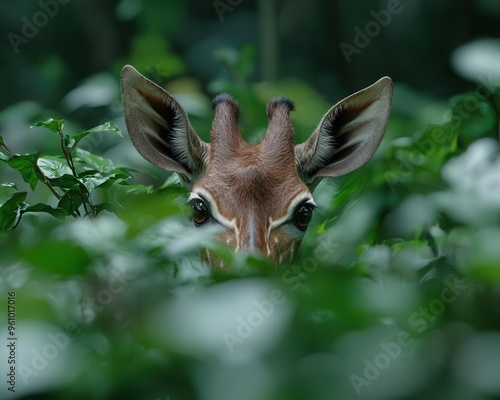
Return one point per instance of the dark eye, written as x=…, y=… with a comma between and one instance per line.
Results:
x=302, y=216
x=200, y=213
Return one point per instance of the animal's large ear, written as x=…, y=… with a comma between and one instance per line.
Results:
x=159, y=128
x=348, y=135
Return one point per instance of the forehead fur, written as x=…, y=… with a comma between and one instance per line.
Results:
x=252, y=181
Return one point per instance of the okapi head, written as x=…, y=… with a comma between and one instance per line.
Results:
x=261, y=196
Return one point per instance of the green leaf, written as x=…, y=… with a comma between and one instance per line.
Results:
x=2, y=142
x=58, y=213
x=172, y=180
x=9, y=210
x=66, y=182
x=137, y=189
x=69, y=142
x=25, y=164
x=95, y=162
x=56, y=256
x=9, y=185
x=129, y=171
x=94, y=181
x=71, y=201
x=106, y=127
x=54, y=167
x=107, y=206
x=53, y=125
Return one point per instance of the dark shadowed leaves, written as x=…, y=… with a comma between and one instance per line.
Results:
x=10, y=210
x=58, y=213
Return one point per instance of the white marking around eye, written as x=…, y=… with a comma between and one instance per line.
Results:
x=302, y=197
x=204, y=195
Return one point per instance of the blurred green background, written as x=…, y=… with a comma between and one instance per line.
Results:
x=396, y=294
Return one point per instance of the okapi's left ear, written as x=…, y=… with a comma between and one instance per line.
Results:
x=347, y=136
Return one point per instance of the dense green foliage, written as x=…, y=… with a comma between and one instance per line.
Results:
x=396, y=292
x=395, y=288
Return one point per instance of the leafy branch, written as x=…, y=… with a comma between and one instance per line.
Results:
x=71, y=177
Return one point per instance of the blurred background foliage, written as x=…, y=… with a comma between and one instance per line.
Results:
x=397, y=291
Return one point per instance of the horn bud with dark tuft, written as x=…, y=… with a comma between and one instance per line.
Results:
x=225, y=135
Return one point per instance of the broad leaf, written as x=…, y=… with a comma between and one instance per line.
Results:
x=58, y=213
x=93, y=161
x=71, y=201
x=54, y=167
x=26, y=165
x=94, y=181
x=53, y=125
x=66, y=182
x=106, y=127
x=9, y=210
x=107, y=206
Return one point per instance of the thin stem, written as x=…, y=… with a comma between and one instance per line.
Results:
x=67, y=155
x=6, y=148
x=71, y=165
x=47, y=182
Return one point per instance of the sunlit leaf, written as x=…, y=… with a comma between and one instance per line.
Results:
x=92, y=182
x=54, y=167
x=53, y=125
x=9, y=210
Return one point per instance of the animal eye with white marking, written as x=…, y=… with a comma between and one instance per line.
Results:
x=303, y=215
x=199, y=212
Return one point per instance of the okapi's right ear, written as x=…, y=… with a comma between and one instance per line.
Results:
x=159, y=128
